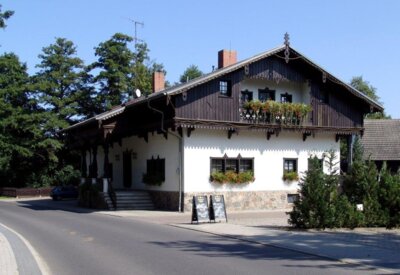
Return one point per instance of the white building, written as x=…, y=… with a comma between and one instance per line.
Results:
x=218, y=128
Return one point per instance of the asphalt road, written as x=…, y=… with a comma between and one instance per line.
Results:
x=76, y=241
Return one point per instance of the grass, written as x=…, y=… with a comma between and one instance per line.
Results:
x=4, y=197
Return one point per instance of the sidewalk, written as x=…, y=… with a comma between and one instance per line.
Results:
x=377, y=247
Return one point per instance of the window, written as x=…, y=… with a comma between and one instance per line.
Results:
x=225, y=87
x=286, y=98
x=246, y=96
x=156, y=167
x=266, y=94
x=236, y=165
x=289, y=165
x=245, y=165
x=291, y=198
x=324, y=96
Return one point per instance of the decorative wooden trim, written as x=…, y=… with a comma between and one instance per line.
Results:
x=180, y=132
x=230, y=132
x=189, y=131
x=226, y=125
x=305, y=135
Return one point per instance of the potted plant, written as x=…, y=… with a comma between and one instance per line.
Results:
x=290, y=176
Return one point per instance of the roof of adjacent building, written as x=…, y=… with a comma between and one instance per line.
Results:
x=223, y=71
x=381, y=139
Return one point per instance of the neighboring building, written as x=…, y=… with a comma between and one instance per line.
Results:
x=184, y=134
x=381, y=142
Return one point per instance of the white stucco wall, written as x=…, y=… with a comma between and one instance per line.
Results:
x=268, y=157
x=300, y=91
x=141, y=152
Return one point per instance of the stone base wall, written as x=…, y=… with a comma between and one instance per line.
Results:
x=251, y=200
x=165, y=200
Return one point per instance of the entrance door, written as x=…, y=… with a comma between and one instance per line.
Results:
x=127, y=168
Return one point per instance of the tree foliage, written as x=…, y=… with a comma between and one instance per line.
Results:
x=60, y=83
x=27, y=149
x=4, y=16
x=363, y=86
x=190, y=73
x=121, y=70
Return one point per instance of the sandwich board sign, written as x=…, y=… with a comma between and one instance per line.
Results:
x=200, y=209
x=217, y=208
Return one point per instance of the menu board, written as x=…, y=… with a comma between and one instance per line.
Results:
x=200, y=209
x=217, y=208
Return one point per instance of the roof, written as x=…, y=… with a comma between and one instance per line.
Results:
x=180, y=88
x=381, y=139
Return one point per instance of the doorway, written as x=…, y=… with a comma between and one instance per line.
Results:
x=127, y=168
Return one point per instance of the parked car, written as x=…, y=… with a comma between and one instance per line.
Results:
x=64, y=192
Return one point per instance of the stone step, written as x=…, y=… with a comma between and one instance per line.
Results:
x=131, y=200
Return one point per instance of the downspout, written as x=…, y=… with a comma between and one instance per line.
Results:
x=180, y=161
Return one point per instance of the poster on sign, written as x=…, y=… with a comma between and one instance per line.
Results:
x=217, y=208
x=200, y=209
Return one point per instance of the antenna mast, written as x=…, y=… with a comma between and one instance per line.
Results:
x=135, y=38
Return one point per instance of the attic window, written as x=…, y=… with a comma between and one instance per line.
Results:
x=225, y=88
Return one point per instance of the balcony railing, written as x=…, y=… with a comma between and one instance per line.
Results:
x=272, y=112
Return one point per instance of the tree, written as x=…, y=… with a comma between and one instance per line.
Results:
x=121, y=70
x=5, y=16
x=190, y=73
x=363, y=86
x=115, y=65
x=143, y=69
x=60, y=84
x=26, y=150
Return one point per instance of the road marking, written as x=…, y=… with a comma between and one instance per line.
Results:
x=41, y=264
x=8, y=264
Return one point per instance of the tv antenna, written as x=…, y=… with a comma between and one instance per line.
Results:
x=137, y=23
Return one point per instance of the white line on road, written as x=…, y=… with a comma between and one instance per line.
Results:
x=41, y=264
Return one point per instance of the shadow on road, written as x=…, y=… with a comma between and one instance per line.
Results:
x=221, y=247
x=70, y=205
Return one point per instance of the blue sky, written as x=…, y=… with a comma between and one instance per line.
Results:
x=347, y=38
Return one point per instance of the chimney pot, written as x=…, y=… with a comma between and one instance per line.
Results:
x=158, y=81
x=226, y=58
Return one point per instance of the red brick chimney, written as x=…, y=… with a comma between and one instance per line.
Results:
x=158, y=81
x=226, y=58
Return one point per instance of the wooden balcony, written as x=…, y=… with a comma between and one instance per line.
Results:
x=275, y=113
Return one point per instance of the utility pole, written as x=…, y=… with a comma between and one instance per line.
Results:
x=135, y=38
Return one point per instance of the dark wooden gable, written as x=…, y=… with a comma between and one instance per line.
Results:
x=205, y=101
x=333, y=105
